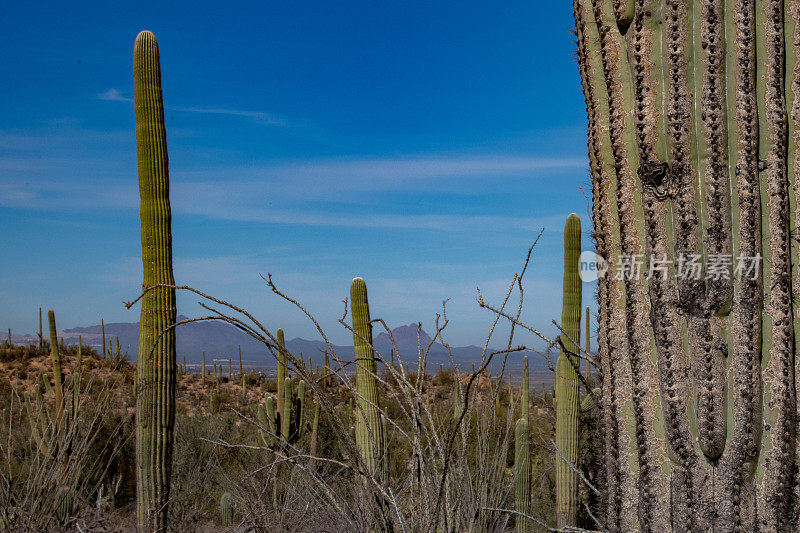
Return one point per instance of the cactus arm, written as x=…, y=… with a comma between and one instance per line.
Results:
x=155, y=398
x=264, y=422
x=272, y=417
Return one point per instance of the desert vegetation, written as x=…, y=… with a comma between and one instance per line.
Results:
x=683, y=418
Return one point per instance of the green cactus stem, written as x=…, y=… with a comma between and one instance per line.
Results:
x=230, y=370
x=155, y=398
x=588, y=344
x=301, y=403
x=265, y=422
x=525, y=402
x=76, y=380
x=286, y=414
x=567, y=383
x=522, y=477
x=226, y=509
x=55, y=357
x=281, y=370
x=41, y=332
x=314, y=430
x=326, y=380
x=369, y=432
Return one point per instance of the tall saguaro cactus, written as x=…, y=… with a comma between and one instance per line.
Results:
x=522, y=476
x=55, y=357
x=369, y=431
x=693, y=115
x=281, y=370
x=155, y=394
x=567, y=383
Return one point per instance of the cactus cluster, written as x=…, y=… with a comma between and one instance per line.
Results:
x=288, y=421
x=694, y=126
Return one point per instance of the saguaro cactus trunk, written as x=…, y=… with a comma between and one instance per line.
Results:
x=155, y=368
x=369, y=431
x=693, y=115
x=522, y=476
x=55, y=357
x=567, y=383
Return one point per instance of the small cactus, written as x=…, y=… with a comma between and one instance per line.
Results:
x=226, y=509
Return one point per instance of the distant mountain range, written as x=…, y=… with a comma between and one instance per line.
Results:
x=221, y=341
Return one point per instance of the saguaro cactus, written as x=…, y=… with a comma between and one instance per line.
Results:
x=226, y=509
x=567, y=383
x=693, y=115
x=522, y=476
x=55, y=357
x=281, y=370
x=155, y=395
x=369, y=432
x=525, y=402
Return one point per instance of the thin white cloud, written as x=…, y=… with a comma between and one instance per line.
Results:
x=113, y=95
x=256, y=116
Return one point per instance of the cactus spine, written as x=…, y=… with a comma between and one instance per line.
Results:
x=522, y=476
x=693, y=115
x=369, y=431
x=567, y=384
x=155, y=398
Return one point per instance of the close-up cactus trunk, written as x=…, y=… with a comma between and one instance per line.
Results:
x=693, y=117
x=369, y=431
x=567, y=384
x=155, y=380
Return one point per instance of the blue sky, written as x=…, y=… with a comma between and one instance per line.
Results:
x=419, y=145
